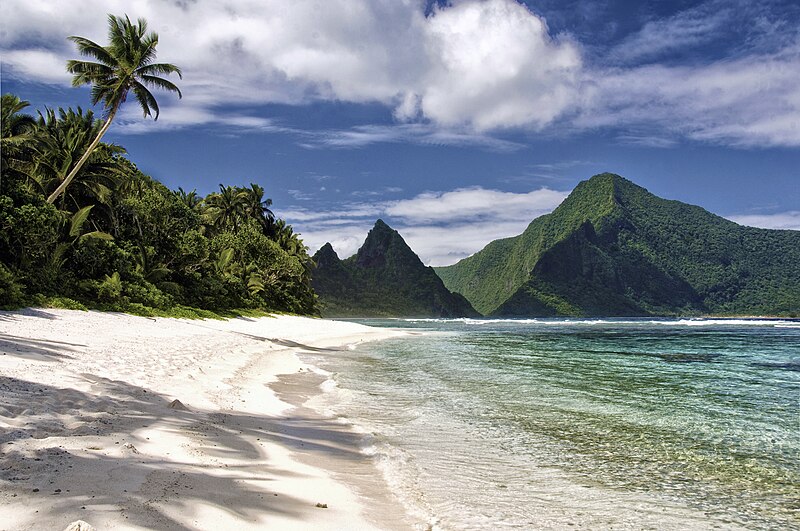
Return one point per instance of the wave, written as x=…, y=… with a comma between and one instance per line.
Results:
x=778, y=323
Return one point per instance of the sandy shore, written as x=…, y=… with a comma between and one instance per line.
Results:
x=135, y=423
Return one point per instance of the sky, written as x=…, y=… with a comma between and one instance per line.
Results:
x=457, y=122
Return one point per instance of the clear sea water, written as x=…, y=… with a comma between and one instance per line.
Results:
x=581, y=424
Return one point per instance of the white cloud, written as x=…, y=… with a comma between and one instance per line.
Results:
x=417, y=133
x=752, y=101
x=782, y=220
x=687, y=28
x=647, y=140
x=476, y=204
x=482, y=64
x=129, y=120
x=37, y=63
x=453, y=77
x=348, y=211
x=444, y=245
x=345, y=238
x=441, y=227
x=494, y=65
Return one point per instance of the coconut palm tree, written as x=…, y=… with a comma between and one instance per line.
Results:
x=14, y=124
x=257, y=207
x=59, y=140
x=125, y=65
x=225, y=208
x=17, y=133
x=190, y=199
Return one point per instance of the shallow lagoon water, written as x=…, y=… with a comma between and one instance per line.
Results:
x=547, y=424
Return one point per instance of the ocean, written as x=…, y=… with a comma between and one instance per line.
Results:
x=580, y=424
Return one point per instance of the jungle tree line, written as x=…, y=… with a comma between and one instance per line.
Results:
x=79, y=221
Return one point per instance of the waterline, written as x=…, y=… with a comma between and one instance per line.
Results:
x=550, y=423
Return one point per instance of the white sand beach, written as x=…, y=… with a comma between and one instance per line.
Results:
x=149, y=423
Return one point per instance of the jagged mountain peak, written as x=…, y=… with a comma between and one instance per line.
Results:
x=326, y=256
x=383, y=243
x=384, y=278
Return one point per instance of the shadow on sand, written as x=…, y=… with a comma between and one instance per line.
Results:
x=36, y=349
x=10, y=315
x=117, y=409
x=291, y=344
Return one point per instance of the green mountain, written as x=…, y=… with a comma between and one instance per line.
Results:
x=613, y=249
x=384, y=279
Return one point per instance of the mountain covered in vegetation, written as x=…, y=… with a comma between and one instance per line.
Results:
x=385, y=278
x=614, y=249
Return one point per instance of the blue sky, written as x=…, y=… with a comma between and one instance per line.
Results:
x=456, y=122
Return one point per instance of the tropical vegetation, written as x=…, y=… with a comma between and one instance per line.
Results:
x=81, y=226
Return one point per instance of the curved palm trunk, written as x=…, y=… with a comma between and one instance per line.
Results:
x=63, y=186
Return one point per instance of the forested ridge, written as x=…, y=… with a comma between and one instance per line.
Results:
x=613, y=248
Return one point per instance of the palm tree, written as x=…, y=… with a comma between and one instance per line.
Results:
x=14, y=124
x=190, y=199
x=287, y=239
x=126, y=64
x=17, y=133
x=62, y=138
x=257, y=207
x=226, y=207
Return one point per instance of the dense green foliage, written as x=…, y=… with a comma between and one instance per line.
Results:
x=613, y=248
x=117, y=239
x=385, y=278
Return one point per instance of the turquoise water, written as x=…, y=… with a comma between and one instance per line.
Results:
x=625, y=424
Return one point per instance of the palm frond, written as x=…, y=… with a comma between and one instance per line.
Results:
x=160, y=82
x=96, y=234
x=89, y=69
x=92, y=49
x=141, y=24
x=145, y=99
x=101, y=92
x=118, y=31
x=159, y=69
x=147, y=49
x=57, y=258
x=78, y=219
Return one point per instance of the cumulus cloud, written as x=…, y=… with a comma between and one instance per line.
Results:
x=442, y=227
x=781, y=220
x=494, y=64
x=480, y=64
x=452, y=77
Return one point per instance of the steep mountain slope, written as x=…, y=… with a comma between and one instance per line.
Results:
x=613, y=248
x=385, y=278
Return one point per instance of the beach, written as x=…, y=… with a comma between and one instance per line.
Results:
x=129, y=422
x=289, y=422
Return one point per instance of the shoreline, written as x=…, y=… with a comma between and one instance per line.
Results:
x=138, y=423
